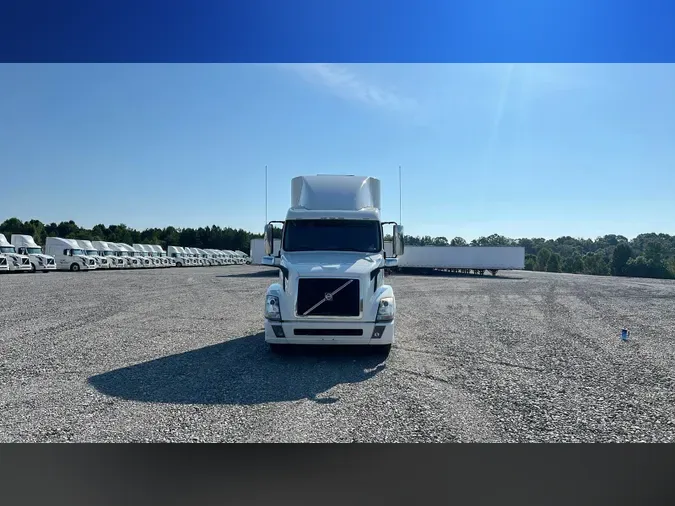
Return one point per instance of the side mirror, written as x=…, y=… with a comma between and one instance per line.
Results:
x=390, y=262
x=397, y=246
x=269, y=239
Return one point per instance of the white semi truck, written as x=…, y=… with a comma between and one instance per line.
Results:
x=331, y=286
x=106, y=251
x=159, y=252
x=16, y=262
x=122, y=252
x=244, y=258
x=69, y=255
x=89, y=249
x=26, y=245
x=179, y=256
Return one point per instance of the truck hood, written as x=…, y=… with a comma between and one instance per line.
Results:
x=319, y=263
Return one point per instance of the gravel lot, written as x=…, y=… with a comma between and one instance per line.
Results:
x=178, y=355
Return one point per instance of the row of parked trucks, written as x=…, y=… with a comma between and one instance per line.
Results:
x=22, y=253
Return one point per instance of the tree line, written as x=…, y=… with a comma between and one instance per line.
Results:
x=647, y=255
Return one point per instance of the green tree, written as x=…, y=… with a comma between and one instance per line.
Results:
x=458, y=241
x=620, y=257
x=554, y=263
x=542, y=258
x=530, y=262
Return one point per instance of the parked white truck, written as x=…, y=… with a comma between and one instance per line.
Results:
x=15, y=261
x=331, y=286
x=123, y=254
x=161, y=254
x=179, y=256
x=89, y=250
x=26, y=245
x=106, y=251
x=68, y=255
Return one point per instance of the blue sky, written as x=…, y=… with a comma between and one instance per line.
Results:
x=522, y=150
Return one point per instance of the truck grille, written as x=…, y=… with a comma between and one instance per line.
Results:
x=3, y=261
x=25, y=261
x=50, y=261
x=341, y=297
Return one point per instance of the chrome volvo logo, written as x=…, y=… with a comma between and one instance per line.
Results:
x=328, y=296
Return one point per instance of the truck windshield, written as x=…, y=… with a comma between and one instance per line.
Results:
x=333, y=235
x=77, y=252
x=108, y=253
x=92, y=252
x=34, y=251
x=7, y=249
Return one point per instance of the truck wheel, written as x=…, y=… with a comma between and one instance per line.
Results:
x=75, y=267
x=32, y=267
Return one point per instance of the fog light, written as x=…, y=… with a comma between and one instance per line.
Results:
x=378, y=332
x=278, y=331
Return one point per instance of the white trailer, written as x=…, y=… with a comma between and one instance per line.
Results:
x=258, y=250
x=462, y=259
x=26, y=245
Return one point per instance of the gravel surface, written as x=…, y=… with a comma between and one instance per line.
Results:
x=178, y=355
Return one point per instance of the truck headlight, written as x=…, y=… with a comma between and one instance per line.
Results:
x=386, y=309
x=272, y=311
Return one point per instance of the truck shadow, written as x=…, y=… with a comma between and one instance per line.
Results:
x=241, y=371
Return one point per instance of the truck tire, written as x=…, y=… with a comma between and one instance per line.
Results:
x=74, y=267
x=32, y=267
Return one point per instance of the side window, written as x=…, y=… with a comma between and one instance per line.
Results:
x=65, y=252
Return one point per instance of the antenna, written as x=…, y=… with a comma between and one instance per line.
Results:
x=400, y=201
x=265, y=195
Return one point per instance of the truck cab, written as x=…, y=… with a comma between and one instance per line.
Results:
x=136, y=255
x=161, y=254
x=206, y=257
x=127, y=260
x=245, y=259
x=101, y=261
x=26, y=245
x=69, y=255
x=16, y=262
x=106, y=251
x=177, y=253
x=331, y=263
x=146, y=252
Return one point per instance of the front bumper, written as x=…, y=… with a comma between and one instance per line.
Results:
x=45, y=267
x=21, y=267
x=331, y=332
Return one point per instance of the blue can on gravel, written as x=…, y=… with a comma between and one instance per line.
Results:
x=625, y=334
